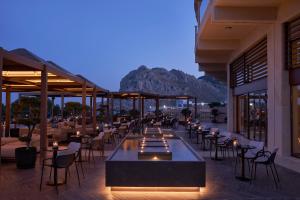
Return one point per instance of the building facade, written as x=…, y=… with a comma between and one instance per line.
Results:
x=254, y=46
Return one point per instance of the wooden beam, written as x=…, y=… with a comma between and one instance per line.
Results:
x=7, y=112
x=120, y=105
x=133, y=103
x=143, y=107
x=157, y=104
x=52, y=107
x=62, y=103
x=112, y=110
x=84, y=107
x=43, y=113
x=1, y=68
x=195, y=108
x=94, y=113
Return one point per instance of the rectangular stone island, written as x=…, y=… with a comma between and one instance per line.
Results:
x=154, y=160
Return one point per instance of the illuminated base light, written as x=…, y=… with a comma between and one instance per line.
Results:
x=155, y=158
x=156, y=189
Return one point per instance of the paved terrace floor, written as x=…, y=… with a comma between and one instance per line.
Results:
x=24, y=184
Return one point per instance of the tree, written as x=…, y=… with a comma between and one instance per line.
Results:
x=134, y=113
x=72, y=108
x=27, y=112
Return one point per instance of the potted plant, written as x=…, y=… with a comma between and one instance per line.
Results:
x=214, y=111
x=28, y=114
x=186, y=113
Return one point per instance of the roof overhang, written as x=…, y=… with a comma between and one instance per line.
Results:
x=224, y=24
x=22, y=73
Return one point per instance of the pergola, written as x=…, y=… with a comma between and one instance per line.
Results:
x=141, y=96
x=22, y=71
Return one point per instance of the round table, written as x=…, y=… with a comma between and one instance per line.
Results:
x=215, y=137
x=244, y=149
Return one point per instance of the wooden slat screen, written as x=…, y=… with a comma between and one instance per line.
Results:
x=250, y=66
x=293, y=43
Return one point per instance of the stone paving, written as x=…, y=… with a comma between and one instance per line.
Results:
x=221, y=183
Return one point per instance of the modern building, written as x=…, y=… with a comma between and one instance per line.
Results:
x=254, y=45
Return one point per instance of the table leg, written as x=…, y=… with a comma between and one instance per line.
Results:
x=243, y=177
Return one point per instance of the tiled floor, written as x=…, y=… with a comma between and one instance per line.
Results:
x=221, y=184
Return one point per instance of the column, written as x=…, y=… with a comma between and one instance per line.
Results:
x=94, y=113
x=1, y=68
x=83, y=108
x=143, y=107
x=91, y=105
x=43, y=113
x=120, y=105
x=7, y=112
x=107, y=109
x=52, y=107
x=157, y=104
x=195, y=108
x=133, y=103
x=140, y=107
x=62, y=103
x=112, y=109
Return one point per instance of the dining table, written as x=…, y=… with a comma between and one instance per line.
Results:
x=244, y=148
x=215, y=138
x=56, y=180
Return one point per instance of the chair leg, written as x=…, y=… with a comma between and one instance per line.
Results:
x=42, y=177
x=273, y=175
x=267, y=170
x=248, y=162
x=66, y=175
x=251, y=175
x=236, y=161
x=77, y=174
x=93, y=157
x=276, y=172
x=50, y=173
x=255, y=167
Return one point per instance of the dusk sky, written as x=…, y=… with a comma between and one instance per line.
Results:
x=102, y=39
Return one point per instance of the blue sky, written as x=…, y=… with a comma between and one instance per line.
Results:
x=103, y=39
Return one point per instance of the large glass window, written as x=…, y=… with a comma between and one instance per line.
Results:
x=252, y=116
x=296, y=120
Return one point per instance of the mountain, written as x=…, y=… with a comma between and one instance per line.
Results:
x=174, y=82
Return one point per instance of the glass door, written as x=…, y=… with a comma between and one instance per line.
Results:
x=242, y=115
x=252, y=115
x=296, y=121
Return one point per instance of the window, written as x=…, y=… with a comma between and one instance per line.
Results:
x=293, y=64
x=252, y=115
x=293, y=44
x=250, y=66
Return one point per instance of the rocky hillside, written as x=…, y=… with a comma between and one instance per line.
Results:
x=173, y=82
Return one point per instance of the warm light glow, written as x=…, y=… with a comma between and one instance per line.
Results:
x=55, y=144
x=17, y=85
x=51, y=80
x=77, y=133
x=155, y=158
x=97, y=127
x=24, y=74
x=235, y=142
x=157, y=189
x=299, y=140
